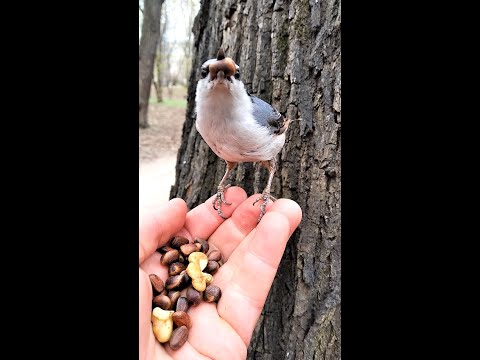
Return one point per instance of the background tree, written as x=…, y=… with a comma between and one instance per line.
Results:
x=147, y=51
x=289, y=53
x=159, y=59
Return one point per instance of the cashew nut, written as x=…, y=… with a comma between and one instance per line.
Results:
x=199, y=279
x=199, y=258
x=162, y=324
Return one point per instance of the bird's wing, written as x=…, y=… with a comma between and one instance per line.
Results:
x=268, y=116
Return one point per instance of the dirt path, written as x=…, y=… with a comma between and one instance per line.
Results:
x=158, y=146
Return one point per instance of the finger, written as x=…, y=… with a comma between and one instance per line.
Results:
x=203, y=220
x=148, y=344
x=159, y=226
x=247, y=277
x=212, y=336
x=243, y=220
x=187, y=351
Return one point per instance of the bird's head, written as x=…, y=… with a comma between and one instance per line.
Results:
x=220, y=73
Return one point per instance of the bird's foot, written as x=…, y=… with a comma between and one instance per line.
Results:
x=266, y=196
x=217, y=202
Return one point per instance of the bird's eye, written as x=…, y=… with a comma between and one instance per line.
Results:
x=237, y=74
x=204, y=72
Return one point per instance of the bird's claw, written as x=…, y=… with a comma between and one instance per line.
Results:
x=265, y=197
x=219, y=199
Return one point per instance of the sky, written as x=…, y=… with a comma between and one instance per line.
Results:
x=178, y=22
x=177, y=26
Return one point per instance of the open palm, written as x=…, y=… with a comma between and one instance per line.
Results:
x=251, y=254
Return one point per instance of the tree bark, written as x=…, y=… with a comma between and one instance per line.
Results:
x=147, y=51
x=289, y=54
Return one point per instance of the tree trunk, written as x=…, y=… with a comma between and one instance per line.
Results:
x=148, y=47
x=289, y=53
x=159, y=58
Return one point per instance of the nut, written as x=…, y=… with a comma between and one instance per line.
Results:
x=163, y=302
x=181, y=258
x=199, y=279
x=162, y=324
x=212, y=293
x=169, y=257
x=173, y=296
x=199, y=258
x=189, y=248
x=165, y=249
x=164, y=292
x=179, y=281
x=204, y=244
x=181, y=318
x=157, y=283
x=215, y=255
x=178, y=338
x=182, y=304
x=212, y=267
x=193, y=296
x=176, y=268
x=178, y=241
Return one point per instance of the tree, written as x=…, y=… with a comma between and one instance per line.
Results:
x=147, y=51
x=289, y=53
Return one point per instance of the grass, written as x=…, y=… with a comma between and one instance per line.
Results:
x=177, y=103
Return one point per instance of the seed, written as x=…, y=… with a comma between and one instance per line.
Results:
x=173, y=295
x=178, y=338
x=178, y=241
x=162, y=302
x=181, y=318
x=204, y=244
x=193, y=296
x=157, y=284
x=165, y=249
x=182, y=304
x=212, y=293
x=169, y=257
x=188, y=249
x=176, y=268
x=212, y=267
x=177, y=282
x=215, y=255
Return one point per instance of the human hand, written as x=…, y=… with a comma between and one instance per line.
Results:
x=251, y=255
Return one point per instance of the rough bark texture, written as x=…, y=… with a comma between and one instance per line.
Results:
x=289, y=53
x=147, y=51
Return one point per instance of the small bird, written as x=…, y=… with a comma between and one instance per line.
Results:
x=237, y=126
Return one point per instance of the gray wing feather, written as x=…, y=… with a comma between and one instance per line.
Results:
x=266, y=115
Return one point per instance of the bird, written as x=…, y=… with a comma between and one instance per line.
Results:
x=237, y=126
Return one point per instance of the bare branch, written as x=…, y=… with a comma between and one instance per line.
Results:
x=140, y=8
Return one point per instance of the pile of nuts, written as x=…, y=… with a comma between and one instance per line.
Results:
x=190, y=272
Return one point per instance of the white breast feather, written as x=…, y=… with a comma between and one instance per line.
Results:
x=225, y=122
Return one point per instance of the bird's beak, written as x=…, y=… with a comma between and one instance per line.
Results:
x=223, y=68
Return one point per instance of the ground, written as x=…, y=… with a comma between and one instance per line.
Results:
x=158, y=146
